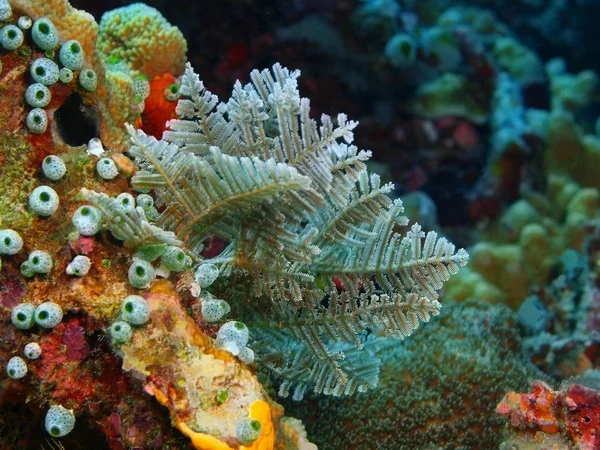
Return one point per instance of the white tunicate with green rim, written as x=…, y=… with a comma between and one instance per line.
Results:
x=125, y=202
x=59, y=421
x=11, y=242
x=172, y=93
x=32, y=350
x=44, y=34
x=248, y=430
x=22, y=316
x=48, y=315
x=87, y=219
x=145, y=201
x=16, y=367
x=45, y=71
x=88, y=79
x=65, y=75
x=40, y=261
x=37, y=95
x=233, y=336
x=206, y=274
x=43, y=201
x=54, y=167
x=120, y=332
x=80, y=266
x=174, y=259
x=37, y=121
x=135, y=310
x=11, y=37
x=5, y=10
x=106, y=169
x=24, y=22
x=71, y=55
x=141, y=273
x=214, y=309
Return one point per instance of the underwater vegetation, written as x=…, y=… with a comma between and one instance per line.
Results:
x=194, y=255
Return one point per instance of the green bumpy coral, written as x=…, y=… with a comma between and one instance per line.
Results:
x=437, y=389
x=140, y=36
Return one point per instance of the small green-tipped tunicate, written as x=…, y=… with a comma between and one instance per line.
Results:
x=11, y=37
x=40, y=261
x=48, y=315
x=16, y=367
x=44, y=34
x=106, y=169
x=32, y=350
x=141, y=273
x=43, y=201
x=5, y=10
x=88, y=79
x=401, y=50
x=71, y=55
x=22, y=316
x=37, y=121
x=59, y=421
x=24, y=22
x=248, y=430
x=65, y=75
x=87, y=219
x=141, y=87
x=145, y=201
x=80, y=266
x=135, y=310
x=37, y=95
x=53, y=167
x=125, y=202
x=172, y=93
x=11, y=242
x=120, y=332
x=206, y=275
x=45, y=71
x=214, y=309
x=174, y=259
x=246, y=355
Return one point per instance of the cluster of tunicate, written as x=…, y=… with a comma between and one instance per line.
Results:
x=44, y=70
x=106, y=169
x=233, y=337
x=147, y=203
x=134, y=311
x=141, y=273
x=11, y=242
x=59, y=421
x=46, y=315
x=87, y=220
x=54, y=167
x=80, y=266
x=38, y=262
x=43, y=201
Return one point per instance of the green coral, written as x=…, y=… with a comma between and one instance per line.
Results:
x=436, y=390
